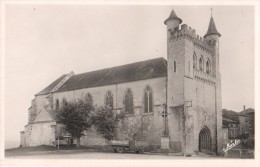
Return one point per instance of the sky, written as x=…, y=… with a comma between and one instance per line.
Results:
x=42, y=42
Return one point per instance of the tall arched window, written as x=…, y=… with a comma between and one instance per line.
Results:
x=129, y=106
x=148, y=100
x=64, y=102
x=57, y=105
x=109, y=99
x=194, y=61
x=201, y=63
x=89, y=99
x=208, y=67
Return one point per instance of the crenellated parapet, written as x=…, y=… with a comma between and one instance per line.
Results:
x=204, y=77
x=190, y=34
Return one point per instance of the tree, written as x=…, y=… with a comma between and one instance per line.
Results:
x=105, y=121
x=76, y=118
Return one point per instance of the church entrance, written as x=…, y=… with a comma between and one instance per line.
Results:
x=204, y=140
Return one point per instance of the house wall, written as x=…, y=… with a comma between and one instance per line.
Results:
x=243, y=124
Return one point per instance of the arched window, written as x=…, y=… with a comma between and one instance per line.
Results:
x=64, y=102
x=208, y=67
x=201, y=63
x=89, y=99
x=148, y=100
x=194, y=61
x=109, y=99
x=57, y=105
x=129, y=106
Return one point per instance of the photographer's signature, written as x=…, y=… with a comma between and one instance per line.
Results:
x=232, y=144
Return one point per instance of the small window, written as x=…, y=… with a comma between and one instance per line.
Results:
x=64, y=102
x=201, y=64
x=109, y=99
x=231, y=133
x=89, y=99
x=57, y=104
x=174, y=66
x=194, y=61
x=208, y=67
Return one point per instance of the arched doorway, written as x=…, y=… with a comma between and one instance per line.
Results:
x=204, y=140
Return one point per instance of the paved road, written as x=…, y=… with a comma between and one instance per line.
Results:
x=98, y=155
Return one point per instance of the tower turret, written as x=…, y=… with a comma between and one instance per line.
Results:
x=212, y=36
x=173, y=21
x=212, y=30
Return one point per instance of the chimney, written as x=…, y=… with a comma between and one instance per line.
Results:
x=244, y=107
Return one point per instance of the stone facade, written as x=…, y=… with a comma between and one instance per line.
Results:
x=192, y=81
x=191, y=91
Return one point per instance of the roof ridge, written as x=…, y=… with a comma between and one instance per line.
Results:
x=122, y=65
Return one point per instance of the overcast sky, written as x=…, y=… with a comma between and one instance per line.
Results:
x=45, y=41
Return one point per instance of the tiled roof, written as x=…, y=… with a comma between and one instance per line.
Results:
x=212, y=30
x=126, y=73
x=229, y=120
x=247, y=111
x=52, y=85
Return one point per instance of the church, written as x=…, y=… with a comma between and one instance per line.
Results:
x=177, y=101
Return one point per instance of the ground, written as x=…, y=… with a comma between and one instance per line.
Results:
x=46, y=152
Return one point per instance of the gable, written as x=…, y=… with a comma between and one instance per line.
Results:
x=43, y=116
x=52, y=85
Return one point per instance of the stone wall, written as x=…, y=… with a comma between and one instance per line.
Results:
x=42, y=133
x=189, y=86
x=144, y=126
x=201, y=92
x=158, y=86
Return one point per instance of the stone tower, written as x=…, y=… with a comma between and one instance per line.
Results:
x=193, y=87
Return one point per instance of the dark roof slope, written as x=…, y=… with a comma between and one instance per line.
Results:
x=229, y=120
x=173, y=16
x=247, y=111
x=230, y=115
x=126, y=73
x=212, y=30
x=53, y=114
x=52, y=85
